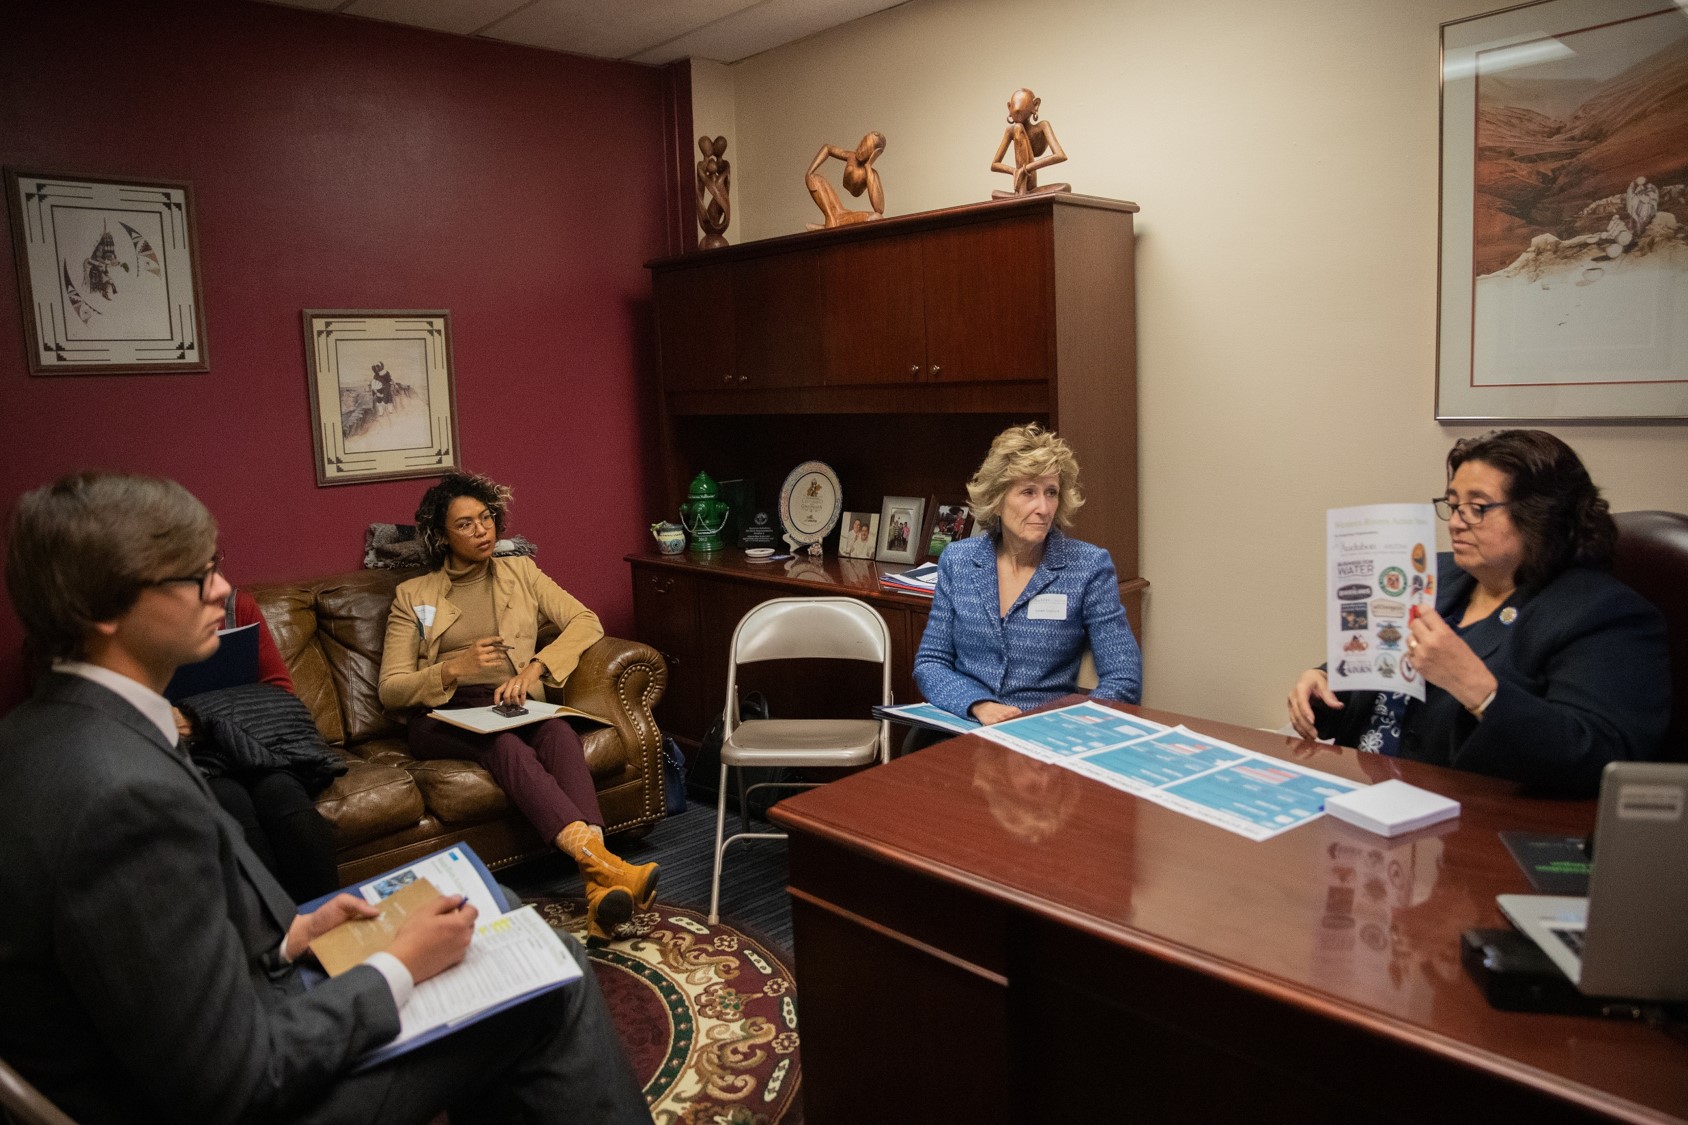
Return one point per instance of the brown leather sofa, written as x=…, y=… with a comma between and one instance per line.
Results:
x=389, y=807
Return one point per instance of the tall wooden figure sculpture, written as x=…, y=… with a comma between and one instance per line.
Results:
x=859, y=175
x=1034, y=146
x=714, y=183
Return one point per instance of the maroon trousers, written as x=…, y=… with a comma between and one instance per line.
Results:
x=541, y=767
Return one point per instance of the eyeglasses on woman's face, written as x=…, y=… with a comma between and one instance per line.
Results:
x=468, y=524
x=1471, y=511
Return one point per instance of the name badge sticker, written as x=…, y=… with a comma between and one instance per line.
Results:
x=1047, y=607
x=424, y=618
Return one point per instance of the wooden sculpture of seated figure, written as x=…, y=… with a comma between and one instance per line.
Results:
x=859, y=174
x=1031, y=139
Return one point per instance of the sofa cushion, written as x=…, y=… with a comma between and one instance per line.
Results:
x=352, y=621
x=369, y=801
x=290, y=612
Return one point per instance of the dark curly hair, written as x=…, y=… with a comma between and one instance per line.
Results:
x=1553, y=502
x=430, y=513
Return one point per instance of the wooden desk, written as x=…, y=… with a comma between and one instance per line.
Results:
x=982, y=937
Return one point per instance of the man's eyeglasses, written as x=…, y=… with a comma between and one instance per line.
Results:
x=203, y=579
x=1471, y=511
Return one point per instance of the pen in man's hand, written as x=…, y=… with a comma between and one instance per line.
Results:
x=461, y=902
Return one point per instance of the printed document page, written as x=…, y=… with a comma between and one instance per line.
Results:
x=511, y=955
x=1380, y=570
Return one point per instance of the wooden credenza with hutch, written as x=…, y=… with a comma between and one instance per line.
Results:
x=893, y=351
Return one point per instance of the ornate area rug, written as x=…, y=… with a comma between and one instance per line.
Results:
x=708, y=1015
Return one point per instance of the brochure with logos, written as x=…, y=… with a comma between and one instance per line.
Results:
x=1241, y=791
x=1380, y=571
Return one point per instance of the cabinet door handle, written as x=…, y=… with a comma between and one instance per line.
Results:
x=914, y=371
x=728, y=379
x=662, y=583
x=744, y=378
x=936, y=371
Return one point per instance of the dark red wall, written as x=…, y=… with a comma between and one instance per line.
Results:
x=341, y=163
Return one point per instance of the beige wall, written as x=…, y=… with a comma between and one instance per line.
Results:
x=1285, y=157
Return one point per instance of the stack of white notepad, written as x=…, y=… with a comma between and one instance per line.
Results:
x=1392, y=807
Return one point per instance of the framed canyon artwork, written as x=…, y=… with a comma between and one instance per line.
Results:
x=1563, y=271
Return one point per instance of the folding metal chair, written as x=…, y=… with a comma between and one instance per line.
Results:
x=797, y=629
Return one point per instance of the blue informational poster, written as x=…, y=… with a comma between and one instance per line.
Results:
x=1241, y=791
x=1164, y=758
x=1079, y=729
x=1262, y=792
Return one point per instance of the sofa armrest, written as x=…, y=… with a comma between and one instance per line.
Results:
x=622, y=680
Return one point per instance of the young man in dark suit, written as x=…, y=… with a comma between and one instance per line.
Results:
x=147, y=957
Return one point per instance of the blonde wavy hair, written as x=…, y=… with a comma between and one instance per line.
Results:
x=1024, y=453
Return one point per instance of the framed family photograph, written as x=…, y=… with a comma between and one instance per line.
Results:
x=108, y=274
x=858, y=534
x=901, y=521
x=951, y=521
x=1563, y=273
x=383, y=405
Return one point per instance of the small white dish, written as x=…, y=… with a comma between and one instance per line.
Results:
x=758, y=552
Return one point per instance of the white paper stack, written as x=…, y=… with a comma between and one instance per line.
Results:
x=1392, y=807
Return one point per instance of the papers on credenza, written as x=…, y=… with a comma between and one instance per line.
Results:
x=922, y=580
x=1380, y=564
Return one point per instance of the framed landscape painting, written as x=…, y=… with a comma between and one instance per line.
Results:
x=382, y=401
x=1564, y=222
x=108, y=274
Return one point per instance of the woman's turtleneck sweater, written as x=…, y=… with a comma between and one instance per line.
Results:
x=471, y=592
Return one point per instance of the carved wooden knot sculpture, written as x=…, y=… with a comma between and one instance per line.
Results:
x=714, y=183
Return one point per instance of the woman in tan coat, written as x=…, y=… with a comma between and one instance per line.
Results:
x=465, y=635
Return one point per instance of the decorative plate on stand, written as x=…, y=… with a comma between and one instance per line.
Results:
x=810, y=503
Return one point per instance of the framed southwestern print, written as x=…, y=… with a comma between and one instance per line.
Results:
x=1564, y=244
x=382, y=400
x=108, y=274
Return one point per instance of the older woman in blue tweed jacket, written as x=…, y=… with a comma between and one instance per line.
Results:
x=1016, y=609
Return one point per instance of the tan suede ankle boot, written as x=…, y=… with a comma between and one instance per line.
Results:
x=601, y=866
x=606, y=908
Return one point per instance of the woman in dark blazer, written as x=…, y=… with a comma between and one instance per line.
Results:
x=1015, y=610
x=1539, y=666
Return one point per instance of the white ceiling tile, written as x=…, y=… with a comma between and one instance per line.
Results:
x=457, y=16
x=313, y=5
x=762, y=27
x=616, y=31
x=644, y=31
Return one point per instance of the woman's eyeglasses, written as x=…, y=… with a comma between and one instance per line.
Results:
x=1471, y=511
